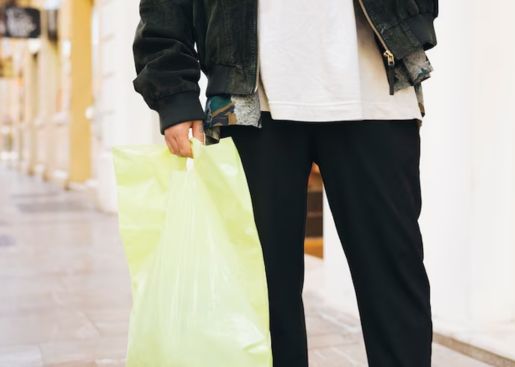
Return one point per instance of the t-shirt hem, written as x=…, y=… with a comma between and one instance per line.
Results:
x=340, y=112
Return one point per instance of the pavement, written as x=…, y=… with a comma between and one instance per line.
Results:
x=65, y=291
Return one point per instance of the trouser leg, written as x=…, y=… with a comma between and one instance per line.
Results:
x=370, y=171
x=276, y=160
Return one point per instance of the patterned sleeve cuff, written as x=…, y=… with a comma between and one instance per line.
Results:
x=412, y=70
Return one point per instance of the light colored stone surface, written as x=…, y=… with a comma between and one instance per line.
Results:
x=65, y=291
x=498, y=338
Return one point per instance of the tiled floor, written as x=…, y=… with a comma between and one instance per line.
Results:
x=64, y=288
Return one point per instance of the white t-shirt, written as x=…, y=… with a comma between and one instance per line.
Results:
x=319, y=61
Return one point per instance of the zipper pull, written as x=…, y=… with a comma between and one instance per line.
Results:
x=390, y=69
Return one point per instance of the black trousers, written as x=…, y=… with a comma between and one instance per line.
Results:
x=370, y=171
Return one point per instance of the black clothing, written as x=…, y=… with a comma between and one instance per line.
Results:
x=370, y=171
x=225, y=35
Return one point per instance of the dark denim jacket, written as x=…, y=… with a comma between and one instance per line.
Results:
x=224, y=32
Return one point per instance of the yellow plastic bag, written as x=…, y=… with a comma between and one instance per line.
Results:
x=196, y=265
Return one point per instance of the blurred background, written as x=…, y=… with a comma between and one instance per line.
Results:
x=66, y=99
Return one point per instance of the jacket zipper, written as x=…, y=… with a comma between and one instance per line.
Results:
x=257, y=47
x=257, y=74
x=387, y=53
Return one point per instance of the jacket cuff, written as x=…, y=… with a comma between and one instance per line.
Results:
x=178, y=108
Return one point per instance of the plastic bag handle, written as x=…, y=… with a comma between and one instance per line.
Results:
x=197, y=147
x=181, y=163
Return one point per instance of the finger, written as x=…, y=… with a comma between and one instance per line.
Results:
x=198, y=131
x=173, y=135
x=170, y=142
x=183, y=146
x=173, y=146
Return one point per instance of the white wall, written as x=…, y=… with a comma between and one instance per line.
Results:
x=120, y=114
x=467, y=172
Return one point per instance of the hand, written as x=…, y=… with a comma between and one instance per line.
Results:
x=176, y=137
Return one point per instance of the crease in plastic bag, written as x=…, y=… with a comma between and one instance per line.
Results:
x=196, y=265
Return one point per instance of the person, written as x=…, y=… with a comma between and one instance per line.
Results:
x=297, y=82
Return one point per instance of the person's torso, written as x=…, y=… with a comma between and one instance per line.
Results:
x=225, y=33
x=320, y=62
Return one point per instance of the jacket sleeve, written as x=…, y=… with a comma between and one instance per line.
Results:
x=166, y=61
